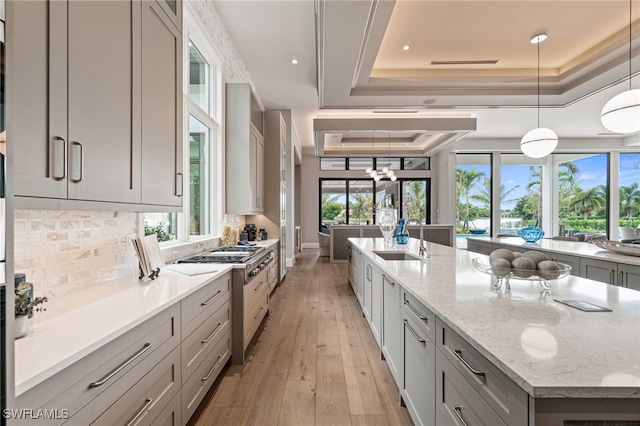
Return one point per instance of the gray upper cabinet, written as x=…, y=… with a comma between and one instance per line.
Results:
x=162, y=175
x=173, y=9
x=244, y=151
x=75, y=90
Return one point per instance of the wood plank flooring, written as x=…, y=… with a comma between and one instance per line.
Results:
x=314, y=361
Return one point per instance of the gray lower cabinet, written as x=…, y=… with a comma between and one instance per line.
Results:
x=573, y=261
x=156, y=373
x=457, y=403
x=599, y=270
x=478, y=383
x=629, y=276
x=476, y=246
x=418, y=373
x=391, y=328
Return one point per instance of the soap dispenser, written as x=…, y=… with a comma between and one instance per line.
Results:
x=402, y=236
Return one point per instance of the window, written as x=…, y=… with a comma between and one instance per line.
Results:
x=202, y=95
x=354, y=201
x=473, y=195
x=360, y=202
x=418, y=163
x=360, y=163
x=414, y=196
x=583, y=192
x=392, y=163
x=333, y=203
x=333, y=164
x=629, y=190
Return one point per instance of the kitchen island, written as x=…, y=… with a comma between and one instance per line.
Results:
x=551, y=362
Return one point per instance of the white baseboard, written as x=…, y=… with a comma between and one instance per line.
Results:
x=310, y=245
x=291, y=262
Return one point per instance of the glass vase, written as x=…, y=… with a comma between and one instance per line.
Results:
x=387, y=223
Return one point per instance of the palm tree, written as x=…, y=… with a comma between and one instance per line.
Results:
x=465, y=181
x=589, y=199
x=484, y=196
x=534, y=187
x=629, y=198
x=360, y=206
x=417, y=197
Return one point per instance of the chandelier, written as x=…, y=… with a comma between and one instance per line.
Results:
x=386, y=171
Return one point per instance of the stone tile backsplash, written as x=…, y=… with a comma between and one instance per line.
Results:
x=63, y=251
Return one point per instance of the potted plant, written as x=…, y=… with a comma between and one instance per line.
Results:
x=25, y=305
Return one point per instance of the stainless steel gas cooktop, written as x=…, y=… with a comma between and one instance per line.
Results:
x=233, y=254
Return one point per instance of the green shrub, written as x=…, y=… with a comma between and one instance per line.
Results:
x=159, y=230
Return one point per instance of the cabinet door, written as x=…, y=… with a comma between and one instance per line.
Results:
x=162, y=176
x=37, y=95
x=573, y=261
x=376, y=304
x=629, y=276
x=391, y=328
x=259, y=184
x=419, y=379
x=103, y=69
x=173, y=9
x=599, y=270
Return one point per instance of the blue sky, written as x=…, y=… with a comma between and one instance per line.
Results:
x=592, y=172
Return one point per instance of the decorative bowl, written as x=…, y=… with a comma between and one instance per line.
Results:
x=477, y=231
x=531, y=234
x=617, y=247
x=504, y=275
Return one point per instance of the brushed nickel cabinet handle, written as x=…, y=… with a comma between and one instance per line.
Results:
x=260, y=286
x=75, y=143
x=179, y=184
x=208, y=376
x=119, y=368
x=211, y=298
x=458, y=354
x=621, y=282
x=59, y=151
x=146, y=405
x=212, y=333
x=384, y=278
x=406, y=323
x=458, y=410
x=408, y=305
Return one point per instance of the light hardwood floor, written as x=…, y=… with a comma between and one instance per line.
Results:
x=314, y=362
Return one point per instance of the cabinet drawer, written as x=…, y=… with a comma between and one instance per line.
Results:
x=196, y=386
x=253, y=317
x=200, y=305
x=141, y=404
x=103, y=376
x=501, y=393
x=420, y=314
x=254, y=290
x=172, y=413
x=457, y=402
x=201, y=342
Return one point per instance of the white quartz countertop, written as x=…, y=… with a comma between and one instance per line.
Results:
x=550, y=350
x=574, y=248
x=75, y=325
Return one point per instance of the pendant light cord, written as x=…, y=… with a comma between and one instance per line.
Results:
x=538, y=85
x=630, y=25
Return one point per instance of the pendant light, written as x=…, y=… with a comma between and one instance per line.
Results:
x=622, y=113
x=386, y=171
x=539, y=142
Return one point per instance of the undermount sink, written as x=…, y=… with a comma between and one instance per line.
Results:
x=396, y=255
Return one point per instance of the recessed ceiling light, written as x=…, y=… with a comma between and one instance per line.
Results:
x=406, y=47
x=294, y=61
x=538, y=38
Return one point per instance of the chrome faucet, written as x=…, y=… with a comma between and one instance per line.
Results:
x=422, y=251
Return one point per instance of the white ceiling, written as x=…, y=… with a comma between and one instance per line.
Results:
x=350, y=61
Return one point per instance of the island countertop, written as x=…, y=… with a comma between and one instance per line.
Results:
x=574, y=248
x=550, y=350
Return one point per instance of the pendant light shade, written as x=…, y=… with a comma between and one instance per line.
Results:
x=622, y=113
x=539, y=142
